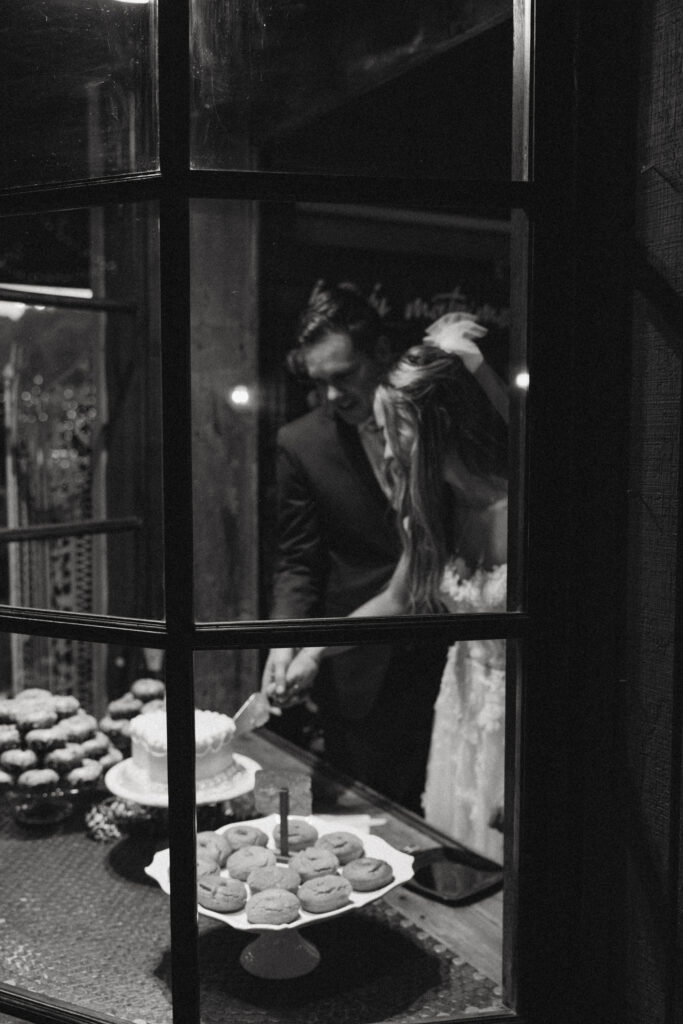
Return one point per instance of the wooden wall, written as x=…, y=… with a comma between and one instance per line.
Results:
x=224, y=353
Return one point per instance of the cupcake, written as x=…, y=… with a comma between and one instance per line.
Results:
x=10, y=737
x=127, y=706
x=65, y=705
x=148, y=689
x=17, y=760
x=30, y=715
x=7, y=711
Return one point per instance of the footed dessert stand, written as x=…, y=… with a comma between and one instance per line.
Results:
x=280, y=951
x=280, y=955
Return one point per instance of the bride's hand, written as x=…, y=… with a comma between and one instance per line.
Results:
x=299, y=677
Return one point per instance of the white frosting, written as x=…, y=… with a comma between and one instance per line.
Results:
x=214, y=762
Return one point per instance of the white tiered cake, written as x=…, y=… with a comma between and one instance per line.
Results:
x=214, y=764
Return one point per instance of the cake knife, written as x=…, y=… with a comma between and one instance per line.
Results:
x=254, y=713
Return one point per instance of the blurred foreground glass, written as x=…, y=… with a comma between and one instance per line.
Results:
x=79, y=90
x=81, y=923
x=80, y=484
x=358, y=88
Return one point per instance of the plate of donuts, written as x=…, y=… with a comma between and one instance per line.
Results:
x=245, y=880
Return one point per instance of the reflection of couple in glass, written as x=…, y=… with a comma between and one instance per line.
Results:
x=442, y=413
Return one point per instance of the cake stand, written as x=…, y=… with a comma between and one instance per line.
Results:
x=122, y=783
x=279, y=951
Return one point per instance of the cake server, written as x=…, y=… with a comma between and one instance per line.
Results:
x=254, y=713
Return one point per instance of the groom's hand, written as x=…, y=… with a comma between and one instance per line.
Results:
x=273, y=680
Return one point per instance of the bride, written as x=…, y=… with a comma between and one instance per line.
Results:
x=443, y=415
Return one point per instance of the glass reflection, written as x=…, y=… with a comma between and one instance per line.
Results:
x=80, y=501
x=79, y=80
x=80, y=924
x=366, y=89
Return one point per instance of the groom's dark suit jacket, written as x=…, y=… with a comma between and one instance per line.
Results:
x=337, y=546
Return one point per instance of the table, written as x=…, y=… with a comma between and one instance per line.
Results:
x=81, y=922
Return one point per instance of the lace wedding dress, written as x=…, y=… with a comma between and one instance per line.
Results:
x=464, y=787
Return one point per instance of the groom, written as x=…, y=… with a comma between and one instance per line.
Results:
x=338, y=545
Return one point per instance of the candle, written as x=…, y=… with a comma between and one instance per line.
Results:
x=284, y=811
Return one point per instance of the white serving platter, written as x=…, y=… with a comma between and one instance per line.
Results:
x=374, y=846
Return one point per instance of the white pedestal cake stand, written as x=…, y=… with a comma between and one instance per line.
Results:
x=279, y=951
x=122, y=783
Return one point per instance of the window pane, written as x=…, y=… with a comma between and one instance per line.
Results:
x=403, y=956
x=424, y=90
x=79, y=97
x=80, y=512
x=81, y=921
x=295, y=515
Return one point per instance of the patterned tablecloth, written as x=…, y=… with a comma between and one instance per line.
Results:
x=81, y=922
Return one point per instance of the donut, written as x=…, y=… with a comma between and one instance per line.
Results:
x=148, y=689
x=127, y=706
x=10, y=737
x=17, y=760
x=215, y=844
x=30, y=715
x=238, y=836
x=279, y=876
x=63, y=759
x=314, y=862
x=42, y=740
x=38, y=778
x=85, y=774
x=96, y=746
x=368, y=873
x=6, y=780
x=300, y=835
x=325, y=893
x=244, y=860
x=273, y=906
x=65, y=705
x=344, y=845
x=224, y=895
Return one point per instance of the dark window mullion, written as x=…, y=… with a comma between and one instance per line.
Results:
x=476, y=196
x=358, y=631
x=473, y=195
x=174, y=256
x=96, y=629
x=134, y=188
x=54, y=301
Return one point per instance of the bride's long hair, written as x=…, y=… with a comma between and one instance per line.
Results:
x=431, y=404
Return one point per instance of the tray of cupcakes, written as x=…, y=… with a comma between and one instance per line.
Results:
x=246, y=879
x=52, y=750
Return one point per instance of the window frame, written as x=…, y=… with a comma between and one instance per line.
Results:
x=549, y=184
